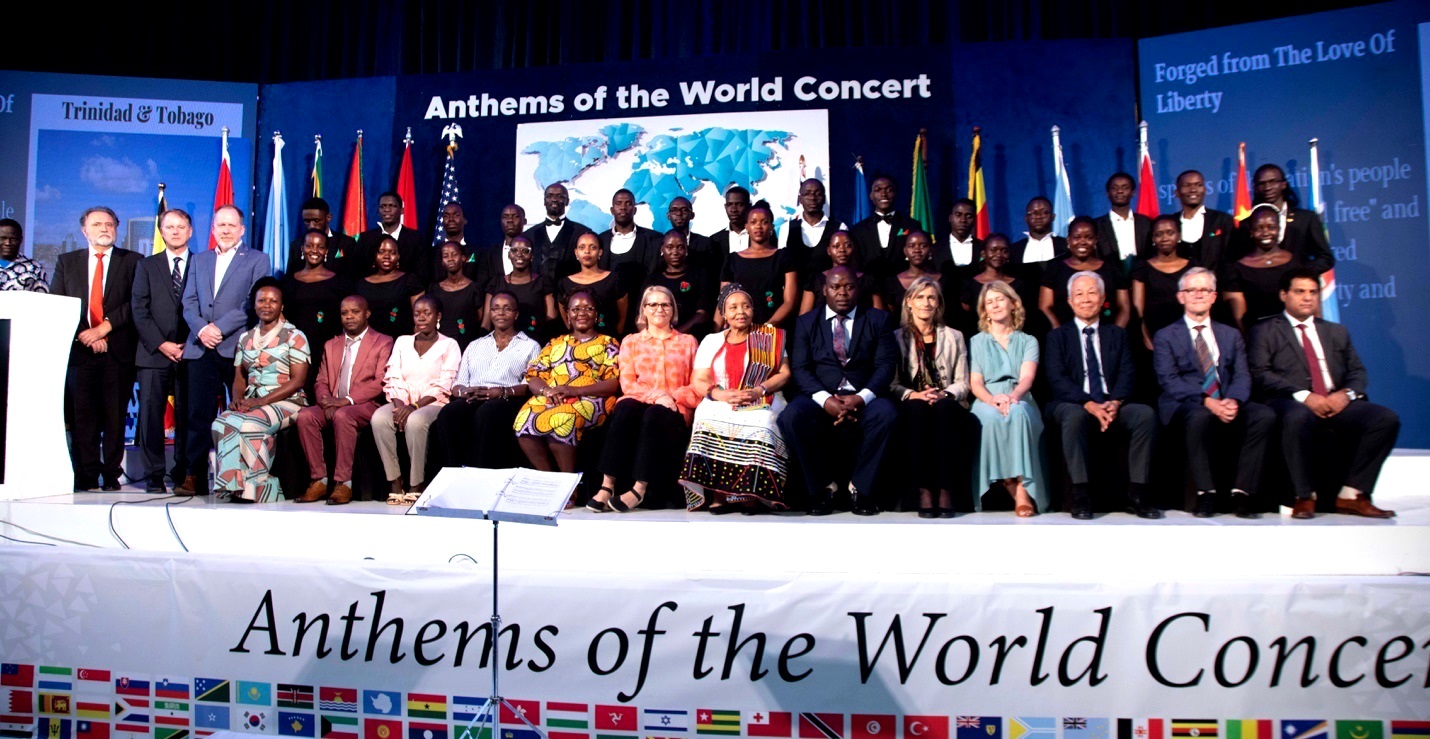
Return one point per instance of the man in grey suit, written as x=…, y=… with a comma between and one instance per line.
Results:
x=159, y=318
x=216, y=308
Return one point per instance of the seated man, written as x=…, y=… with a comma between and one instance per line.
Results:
x=1201, y=366
x=1089, y=367
x=1307, y=371
x=347, y=392
x=843, y=359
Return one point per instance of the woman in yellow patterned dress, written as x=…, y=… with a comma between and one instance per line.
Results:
x=574, y=382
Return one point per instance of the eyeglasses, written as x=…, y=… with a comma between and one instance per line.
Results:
x=1199, y=291
x=658, y=306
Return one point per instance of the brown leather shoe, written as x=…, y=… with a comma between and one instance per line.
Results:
x=190, y=486
x=316, y=492
x=1304, y=508
x=342, y=494
x=1361, y=506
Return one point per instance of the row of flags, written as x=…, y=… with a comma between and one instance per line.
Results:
x=66, y=703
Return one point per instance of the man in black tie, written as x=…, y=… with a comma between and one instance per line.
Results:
x=843, y=358
x=158, y=304
x=343, y=256
x=1206, y=233
x=1123, y=234
x=1089, y=367
x=807, y=235
x=733, y=238
x=553, y=241
x=1206, y=387
x=413, y=255
x=879, y=239
x=1307, y=370
x=680, y=214
x=101, y=366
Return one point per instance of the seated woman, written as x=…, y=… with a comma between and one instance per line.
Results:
x=573, y=382
x=418, y=383
x=474, y=428
x=272, y=365
x=932, y=388
x=1002, y=362
x=535, y=305
x=770, y=273
x=841, y=254
x=647, y=428
x=692, y=286
x=737, y=459
x=1082, y=256
x=602, y=286
x=461, y=297
x=1252, y=284
x=1154, y=281
x=390, y=292
x=918, y=254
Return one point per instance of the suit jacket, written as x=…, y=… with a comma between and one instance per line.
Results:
x=369, y=368
x=1107, y=247
x=1062, y=361
x=1018, y=248
x=873, y=354
x=1278, y=361
x=1180, y=373
x=158, y=313
x=556, y=258
x=226, y=306
x=1214, y=246
x=72, y=279
x=874, y=257
x=645, y=253
x=343, y=257
x=950, y=358
x=414, y=254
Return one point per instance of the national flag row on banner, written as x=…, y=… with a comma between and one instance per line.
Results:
x=65, y=703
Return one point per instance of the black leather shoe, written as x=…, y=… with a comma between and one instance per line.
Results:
x=155, y=485
x=863, y=506
x=1206, y=505
x=946, y=513
x=1081, y=507
x=240, y=500
x=84, y=486
x=110, y=486
x=1147, y=511
x=929, y=512
x=821, y=507
x=1243, y=506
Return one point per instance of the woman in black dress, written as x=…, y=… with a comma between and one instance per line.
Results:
x=1252, y=284
x=841, y=254
x=769, y=274
x=693, y=289
x=390, y=292
x=918, y=253
x=461, y=297
x=1082, y=257
x=535, y=304
x=1154, y=280
x=602, y=285
x=1303, y=234
x=311, y=297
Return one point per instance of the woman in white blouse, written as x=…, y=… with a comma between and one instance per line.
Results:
x=419, y=380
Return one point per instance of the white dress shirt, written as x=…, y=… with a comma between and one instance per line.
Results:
x=221, y=264
x=866, y=394
x=885, y=228
x=394, y=233
x=1097, y=350
x=1039, y=250
x=962, y=250
x=622, y=242
x=1325, y=370
x=810, y=234
x=1125, y=232
x=739, y=240
x=345, y=378
x=181, y=256
x=483, y=365
x=552, y=230
x=1192, y=228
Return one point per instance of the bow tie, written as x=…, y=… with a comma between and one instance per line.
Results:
x=885, y=217
x=555, y=222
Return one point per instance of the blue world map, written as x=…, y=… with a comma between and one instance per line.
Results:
x=667, y=166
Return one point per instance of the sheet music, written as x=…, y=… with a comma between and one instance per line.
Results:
x=468, y=488
x=537, y=493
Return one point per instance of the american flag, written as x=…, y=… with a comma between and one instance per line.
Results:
x=451, y=193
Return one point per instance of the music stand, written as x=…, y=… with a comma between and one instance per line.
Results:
x=515, y=495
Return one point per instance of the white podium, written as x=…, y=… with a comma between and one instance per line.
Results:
x=36, y=456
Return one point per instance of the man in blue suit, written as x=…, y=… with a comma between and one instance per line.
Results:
x=843, y=359
x=158, y=303
x=1089, y=366
x=216, y=308
x=1206, y=386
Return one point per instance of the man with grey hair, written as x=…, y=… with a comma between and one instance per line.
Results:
x=1088, y=364
x=1206, y=387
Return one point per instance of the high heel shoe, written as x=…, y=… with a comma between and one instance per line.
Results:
x=619, y=506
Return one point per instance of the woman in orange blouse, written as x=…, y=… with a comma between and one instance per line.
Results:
x=648, y=427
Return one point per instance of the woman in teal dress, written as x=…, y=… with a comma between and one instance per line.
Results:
x=1002, y=364
x=271, y=364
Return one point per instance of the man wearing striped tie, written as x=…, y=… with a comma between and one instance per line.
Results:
x=1206, y=388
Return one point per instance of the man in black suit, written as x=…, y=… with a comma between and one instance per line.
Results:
x=632, y=251
x=1123, y=234
x=158, y=304
x=680, y=214
x=879, y=239
x=101, y=366
x=1089, y=367
x=844, y=358
x=964, y=247
x=733, y=238
x=807, y=235
x=343, y=254
x=1039, y=245
x=1206, y=233
x=1307, y=370
x=1206, y=387
x=553, y=241
x=413, y=254
x=491, y=263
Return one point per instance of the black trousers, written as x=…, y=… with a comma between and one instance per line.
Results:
x=98, y=386
x=1244, y=439
x=474, y=433
x=814, y=440
x=938, y=439
x=156, y=384
x=1368, y=431
x=644, y=442
x=210, y=379
x=1077, y=427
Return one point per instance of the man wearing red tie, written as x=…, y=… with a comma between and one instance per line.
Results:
x=101, y=366
x=1309, y=373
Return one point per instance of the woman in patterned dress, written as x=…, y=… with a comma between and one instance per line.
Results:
x=272, y=364
x=574, y=382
